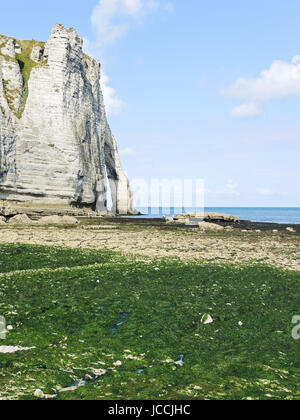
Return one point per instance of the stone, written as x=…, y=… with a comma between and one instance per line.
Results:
x=38, y=393
x=192, y=215
x=178, y=220
x=169, y=219
x=69, y=220
x=36, y=54
x=208, y=216
x=210, y=227
x=18, y=48
x=57, y=147
x=58, y=220
x=206, y=319
x=20, y=219
x=13, y=349
x=290, y=229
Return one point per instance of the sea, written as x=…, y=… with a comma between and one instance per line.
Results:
x=288, y=215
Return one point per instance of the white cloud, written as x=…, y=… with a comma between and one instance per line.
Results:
x=169, y=7
x=112, y=18
x=268, y=192
x=127, y=152
x=230, y=189
x=281, y=80
x=113, y=104
x=246, y=110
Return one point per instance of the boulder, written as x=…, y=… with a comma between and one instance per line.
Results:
x=178, y=220
x=208, y=216
x=36, y=54
x=58, y=220
x=290, y=229
x=210, y=227
x=50, y=220
x=192, y=215
x=69, y=220
x=169, y=219
x=20, y=219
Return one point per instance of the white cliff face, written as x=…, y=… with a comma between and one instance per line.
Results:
x=61, y=149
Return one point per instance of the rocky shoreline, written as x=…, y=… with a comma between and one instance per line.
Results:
x=9, y=210
x=241, y=224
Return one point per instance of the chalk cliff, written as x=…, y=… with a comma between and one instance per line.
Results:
x=55, y=143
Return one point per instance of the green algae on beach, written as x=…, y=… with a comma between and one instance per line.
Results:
x=64, y=309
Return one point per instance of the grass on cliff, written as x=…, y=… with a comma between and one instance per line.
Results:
x=26, y=66
x=125, y=329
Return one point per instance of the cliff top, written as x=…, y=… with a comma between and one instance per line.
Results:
x=27, y=54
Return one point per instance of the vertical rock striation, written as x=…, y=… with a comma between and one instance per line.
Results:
x=55, y=143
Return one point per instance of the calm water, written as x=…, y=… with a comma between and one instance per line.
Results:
x=255, y=214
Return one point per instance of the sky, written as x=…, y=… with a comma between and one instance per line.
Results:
x=194, y=89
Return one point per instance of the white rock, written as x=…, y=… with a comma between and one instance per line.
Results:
x=206, y=227
x=206, y=319
x=58, y=220
x=118, y=363
x=99, y=372
x=220, y=216
x=290, y=229
x=38, y=393
x=13, y=349
x=20, y=219
x=36, y=54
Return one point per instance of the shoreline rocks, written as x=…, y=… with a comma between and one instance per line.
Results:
x=210, y=227
x=196, y=218
x=20, y=219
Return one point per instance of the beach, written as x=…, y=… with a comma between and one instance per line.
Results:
x=152, y=238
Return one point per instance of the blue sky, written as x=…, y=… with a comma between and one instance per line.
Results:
x=194, y=89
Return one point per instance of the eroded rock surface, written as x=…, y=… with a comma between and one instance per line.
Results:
x=55, y=143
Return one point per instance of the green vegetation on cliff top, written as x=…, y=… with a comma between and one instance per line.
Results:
x=26, y=66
